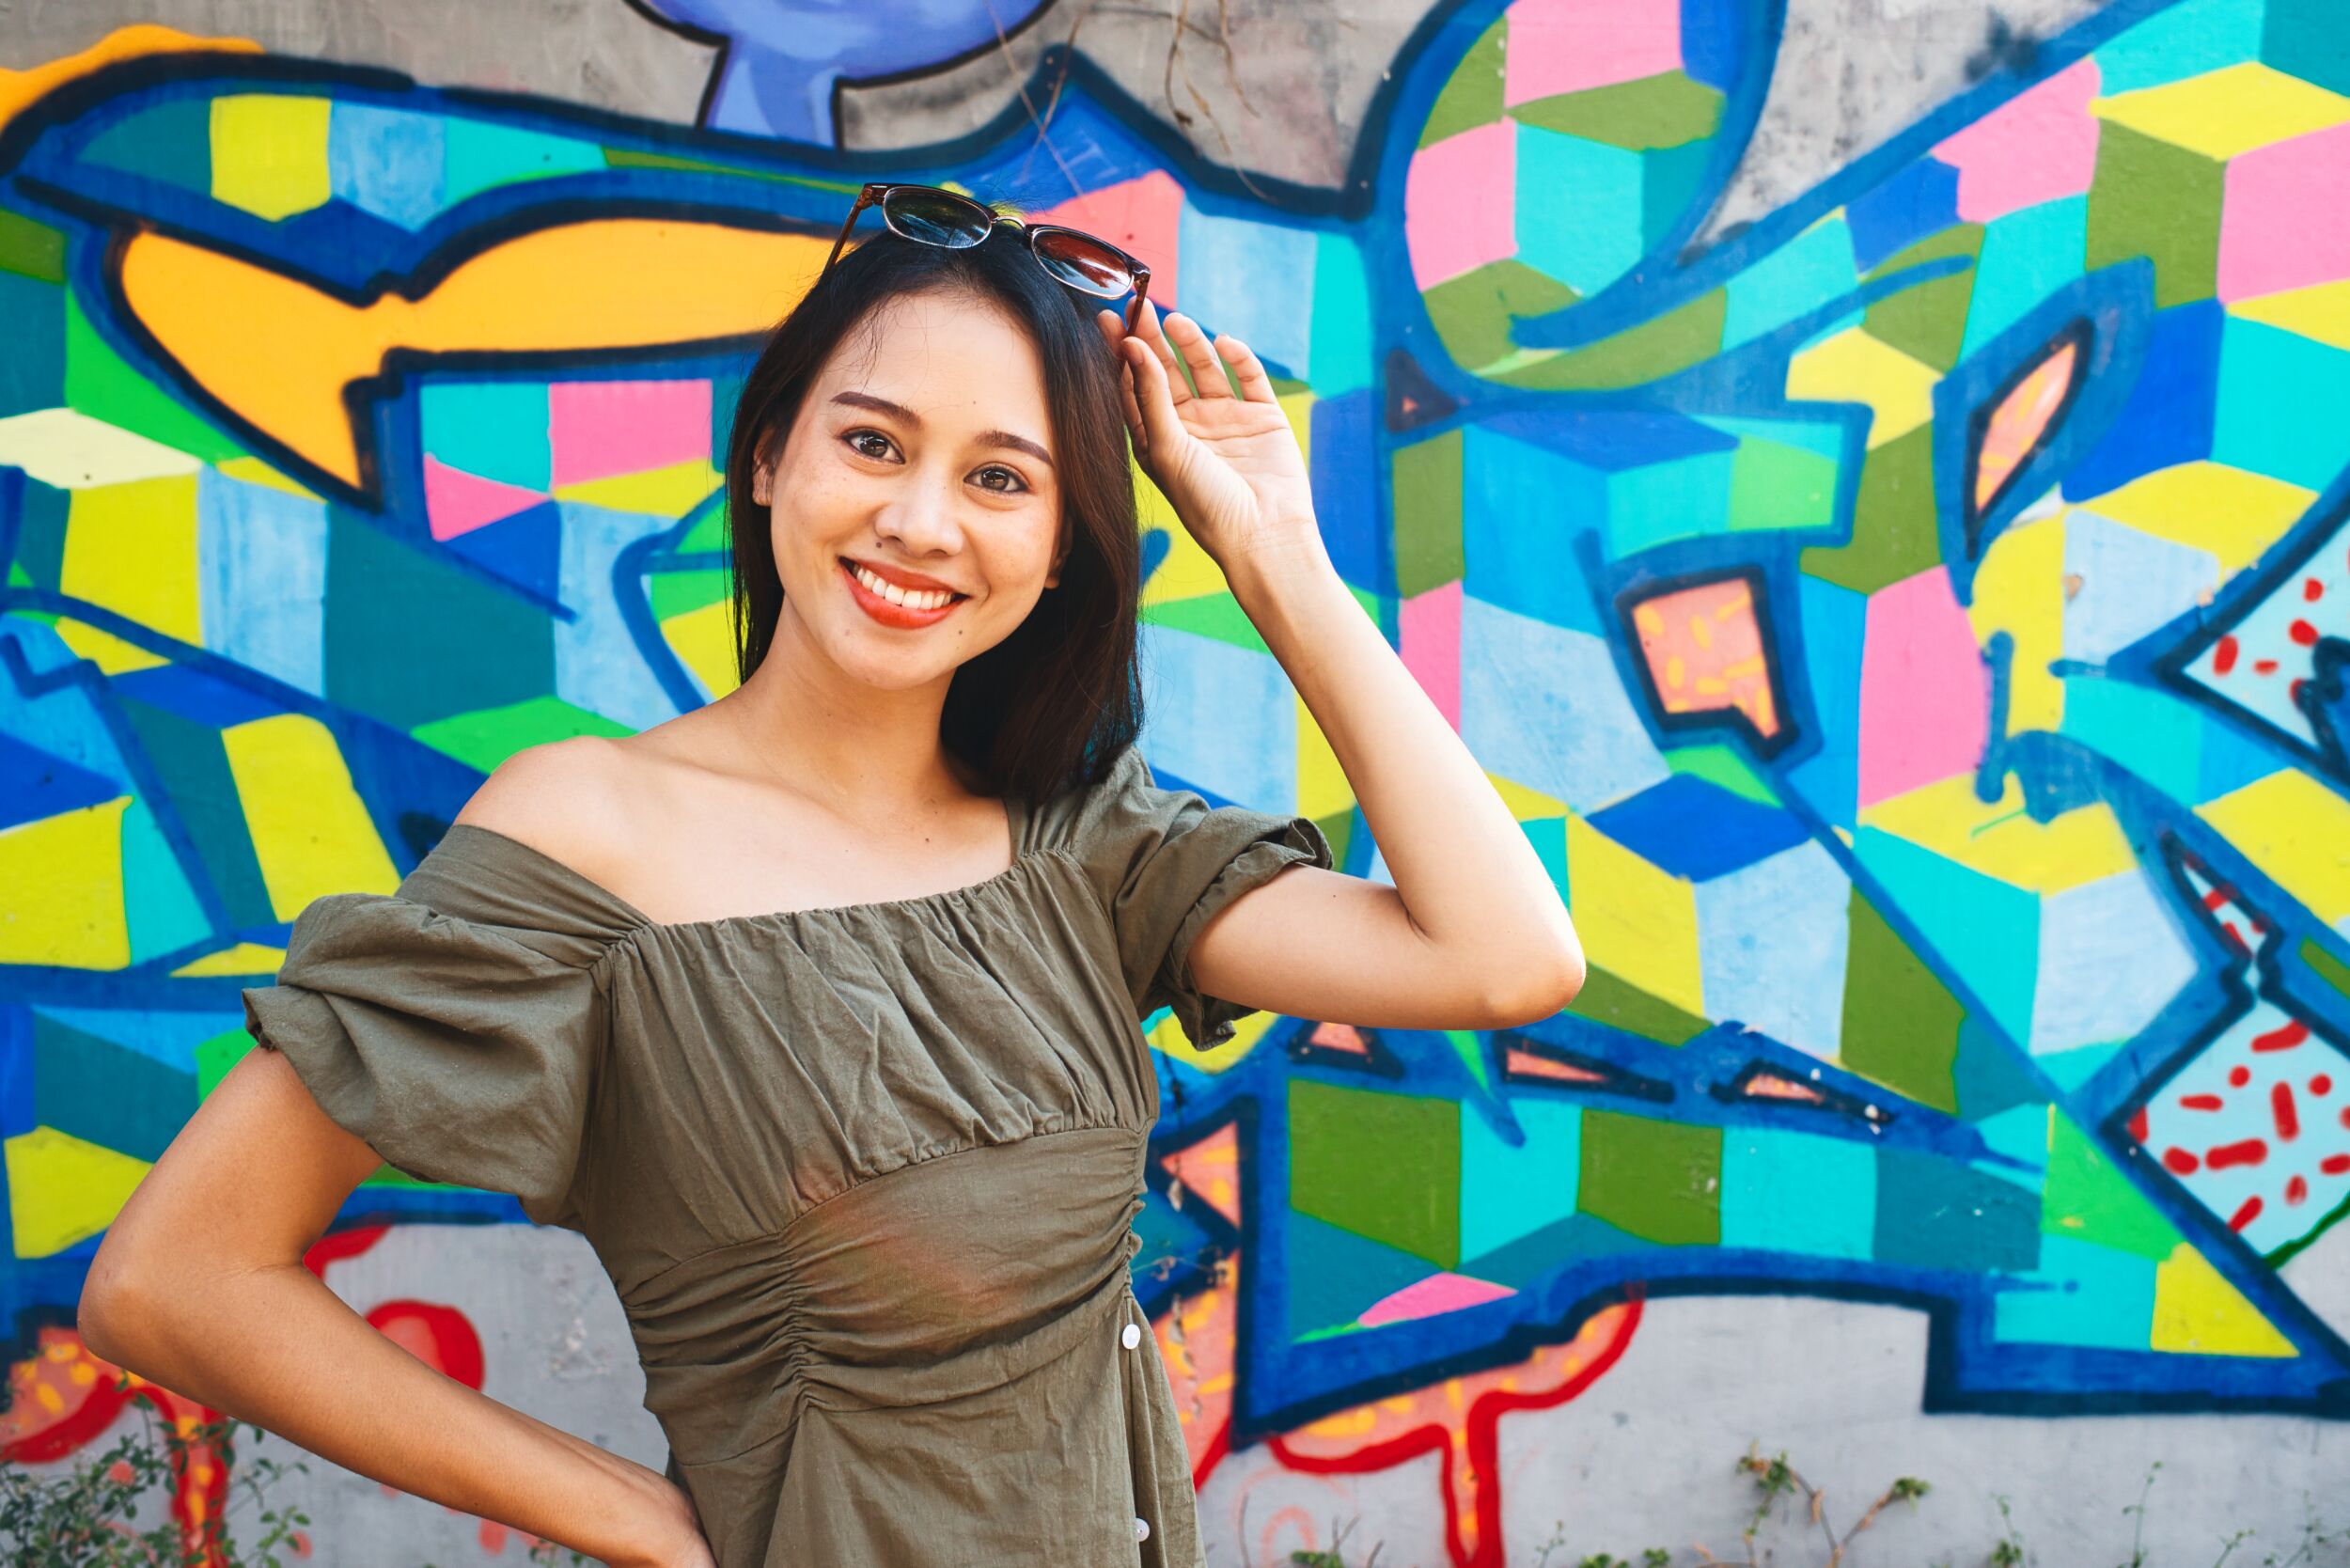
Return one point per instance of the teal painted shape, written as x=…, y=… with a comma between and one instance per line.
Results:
x=1339, y=359
x=1548, y=835
x=2069, y=1070
x=1986, y=931
x=1670, y=178
x=1687, y=497
x=171, y=142
x=2308, y=38
x=1793, y=280
x=1990, y=1076
x=1508, y=1192
x=2086, y=1295
x=1798, y=1192
x=2020, y=1132
x=1935, y=1212
x=192, y=767
x=1335, y=1275
x=116, y=1093
x=478, y=155
x=32, y=371
x=2233, y=757
x=2027, y=255
x=2280, y=397
x=1524, y=1262
x=1579, y=205
x=2187, y=39
x=2157, y=736
x=160, y=906
x=494, y=429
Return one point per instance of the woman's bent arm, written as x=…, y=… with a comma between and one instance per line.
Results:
x=199, y=1286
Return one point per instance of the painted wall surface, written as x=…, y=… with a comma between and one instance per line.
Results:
x=1894, y=565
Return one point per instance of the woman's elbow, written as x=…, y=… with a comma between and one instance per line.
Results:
x=107, y=1314
x=1535, y=988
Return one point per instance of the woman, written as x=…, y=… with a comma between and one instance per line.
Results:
x=847, y=1092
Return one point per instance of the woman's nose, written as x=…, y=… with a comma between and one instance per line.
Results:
x=922, y=517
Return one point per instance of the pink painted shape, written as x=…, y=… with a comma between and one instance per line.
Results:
x=1925, y=694
x=1142, y=217
x=2038, y=146
x=1438, y=1293
x=1460, y=203
x=2286, y=224
x=1557, y=46
x=456, y=502
x=603, y=428
x=1430, y=628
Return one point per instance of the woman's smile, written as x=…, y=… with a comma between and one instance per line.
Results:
x=918, y=608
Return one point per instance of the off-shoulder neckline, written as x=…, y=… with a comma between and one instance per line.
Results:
x=1016, y=816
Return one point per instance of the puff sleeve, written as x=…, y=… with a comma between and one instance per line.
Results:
x=1165, y=863
x=463, y=1051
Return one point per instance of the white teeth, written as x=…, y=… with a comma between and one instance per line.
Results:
x=925, y=600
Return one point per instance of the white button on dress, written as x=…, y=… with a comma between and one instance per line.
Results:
x=1142, y=1529
x=1129, y=1335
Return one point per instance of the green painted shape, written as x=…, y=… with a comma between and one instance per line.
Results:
x=2087, y=1199
x=411, y=640
x=1895, y=533
x=479, y=155
x=682, y=593
x=1472, y=313
x=1658, y=1179
x=2155, y=200
x=1901, y=1022
x=1650, y=352
x=1775, y=486
x=1933, y=1212
x=1927, y=320
x=484, y=739
x=629, y=158
x=1339, y=828
x=217, y=1056
x=1608, y=998
x=101, y=383
x=1428, y=551
x=2325, y=965
x=1662, y=111
x=1471, y=1052
x=31, y=249
x=32, y=367
x=1471, y=96
x=708, y=530
x=1719, y=764
x=1210, y=615
x=2307, y=39
x=1385, y=1167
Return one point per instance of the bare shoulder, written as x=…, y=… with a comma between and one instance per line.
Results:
x=563, y=798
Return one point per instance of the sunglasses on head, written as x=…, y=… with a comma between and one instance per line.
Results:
x=931, y=216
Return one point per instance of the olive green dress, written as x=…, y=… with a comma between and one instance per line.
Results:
x=863, y=1176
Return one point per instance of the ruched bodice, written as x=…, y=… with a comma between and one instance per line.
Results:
x=863, y=1177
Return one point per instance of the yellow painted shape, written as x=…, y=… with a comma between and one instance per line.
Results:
x=269, y=154
x=1188, y=570
x=311, y=833
x=2223, y=113
x=1998, y=839
x=1322, y=787
x=1299, y=409
x=1527, y=805
x=1854, y=367
x=244, y=958
x=2295, y=829
x=64, y=879
x=21, y=87
x=62, y=1189
x=2321, y=312
x=2234, y=514
x=132, y=549
x=1636, y=922
x=2020, y=589
x=252, y=470
x=670, y=492
x=1168, y=1037
x=279, y=353
x=703, y=641
x=2197, y=1312
x=110, y=653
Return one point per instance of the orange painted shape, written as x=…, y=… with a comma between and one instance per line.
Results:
x=19, y=89
x=2017, y=426
x=1704, y=651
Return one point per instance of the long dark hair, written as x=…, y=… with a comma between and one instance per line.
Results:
x=1056, y=700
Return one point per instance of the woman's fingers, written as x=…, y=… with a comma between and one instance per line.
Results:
x=1154, y=336
x=1153, y=392
x=1207, y=371
x=1254, y=384
x=1113, y=328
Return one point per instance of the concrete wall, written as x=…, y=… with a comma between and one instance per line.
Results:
x=1865, y=476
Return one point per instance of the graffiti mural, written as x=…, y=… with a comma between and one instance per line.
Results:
x=1910, y=627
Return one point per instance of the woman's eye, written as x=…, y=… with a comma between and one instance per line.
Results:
x=857, y=439
x=1012, y=484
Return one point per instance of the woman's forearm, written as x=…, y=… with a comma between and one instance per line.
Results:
x=1460, y=864
x=275, y=1347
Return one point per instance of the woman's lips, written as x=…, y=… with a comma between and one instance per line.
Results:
x=903, y=616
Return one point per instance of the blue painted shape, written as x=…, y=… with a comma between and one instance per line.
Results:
x=1509, y=1191
x=2168, y=417
x=60, y=723
x=2111, y=958
x=598, y=664
x=161, y=911
x=1579, y=208
x=2084, y=1295
x=1773, y=941
x=1921, y=199
x=34, y=784
x=1695, y=828
x=2281, y=394
x=1795, y=280
x=168, y=1037
x=1192, y=687
x=1609, y=439
x=2233, y=757
x=2131, y=583
x=387, y=161
x=2153, y=734
x=494, y=429
x=1798, y=1192
x=524, y=549
x=480, y=155
x=1545, y=706
x=261, y=584
x=184, y=690
x=1520, y=506
x=1833, y=622
x=1340, y=355
x=1986, y=931
x=1935, y=1212
x=1252, y=279
x=1342, y=465
x=2187, y=39
x=2027, y=255
x=1711, y=38
x=1686, y=497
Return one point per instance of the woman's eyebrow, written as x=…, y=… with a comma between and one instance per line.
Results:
x=898, y=411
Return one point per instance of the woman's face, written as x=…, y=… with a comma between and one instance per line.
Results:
x=915, y=510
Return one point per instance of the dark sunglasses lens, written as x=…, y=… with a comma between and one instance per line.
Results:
x=936, y=217
x=1083, y=263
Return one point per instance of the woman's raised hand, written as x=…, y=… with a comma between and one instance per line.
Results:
x=1228, y=464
